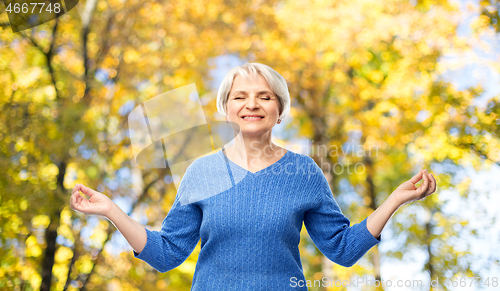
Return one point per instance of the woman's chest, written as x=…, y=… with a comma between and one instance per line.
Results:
x=257, y=208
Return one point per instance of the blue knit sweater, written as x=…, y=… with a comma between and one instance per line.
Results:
x=250, y=230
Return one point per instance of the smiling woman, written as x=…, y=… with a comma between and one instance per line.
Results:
x=275, y=85
x=260, y=197
x=254, y=98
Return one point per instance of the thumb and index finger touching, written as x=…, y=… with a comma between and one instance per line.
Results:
x=76, y=198
x=425, y=185
x=77, y=201
x=85, y=190
x=417, y=177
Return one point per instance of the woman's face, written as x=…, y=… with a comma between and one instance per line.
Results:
x=252, y=97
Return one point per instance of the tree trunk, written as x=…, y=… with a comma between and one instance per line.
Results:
x=370, y=193
x=428, y=240
x=50, y=251
x=51, y=233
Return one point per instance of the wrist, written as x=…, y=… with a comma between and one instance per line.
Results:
x=394, y=202
x=113, y=212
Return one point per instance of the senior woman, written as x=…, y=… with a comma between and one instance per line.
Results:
x=250, y=231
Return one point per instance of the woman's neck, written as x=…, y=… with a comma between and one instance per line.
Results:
x=255, y=152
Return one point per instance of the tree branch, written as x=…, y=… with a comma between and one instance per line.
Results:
x=33, y=42
x=86, y=16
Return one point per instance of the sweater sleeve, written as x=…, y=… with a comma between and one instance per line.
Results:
x=331, y=232
x=180, y=232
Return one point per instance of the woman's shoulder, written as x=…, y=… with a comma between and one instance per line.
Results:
x=303, y=165
x=205, y=162
x=301, y=158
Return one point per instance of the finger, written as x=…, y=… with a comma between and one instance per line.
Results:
x=75, y=199
x=76, y=188
x=425, y=185
x=417, y=177
x=432, y=185
x=75, y=204
x=78, y=198
x=87, y=191
x=81, y=203
x=75, y=193
x=435, y=182
x=72, y=201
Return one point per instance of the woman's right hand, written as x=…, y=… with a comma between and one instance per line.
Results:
x=98, y=204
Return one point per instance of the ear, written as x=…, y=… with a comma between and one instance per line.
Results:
x=280, y=110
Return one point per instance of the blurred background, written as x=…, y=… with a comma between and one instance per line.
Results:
x=410, y=84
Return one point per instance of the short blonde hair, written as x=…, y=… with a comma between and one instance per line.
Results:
x=276, y=82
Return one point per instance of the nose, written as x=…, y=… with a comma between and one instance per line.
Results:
x=252, y=103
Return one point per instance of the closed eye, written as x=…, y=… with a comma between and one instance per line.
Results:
x=264, y=98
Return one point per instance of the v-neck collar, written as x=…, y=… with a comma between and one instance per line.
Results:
x=268, y=169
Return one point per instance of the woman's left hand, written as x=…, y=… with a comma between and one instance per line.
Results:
x=407, y=192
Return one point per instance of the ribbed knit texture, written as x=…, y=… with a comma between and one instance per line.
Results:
x=250, y=233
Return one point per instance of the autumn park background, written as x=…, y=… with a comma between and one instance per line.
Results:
x=418, y=80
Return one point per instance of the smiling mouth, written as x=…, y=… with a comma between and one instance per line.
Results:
x=252, y=118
